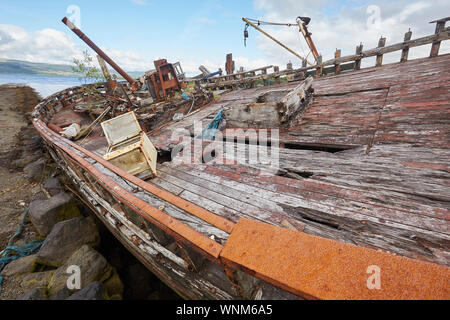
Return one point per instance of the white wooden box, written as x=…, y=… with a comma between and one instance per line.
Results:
x=129, y=148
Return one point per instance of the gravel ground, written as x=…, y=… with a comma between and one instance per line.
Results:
x=16, y=191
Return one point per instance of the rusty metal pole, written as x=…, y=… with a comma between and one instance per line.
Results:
x=307, y=35
x=99, y=51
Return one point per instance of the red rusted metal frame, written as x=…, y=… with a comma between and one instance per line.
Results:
x=164, y=70
x=319, y=268
x=99, y=51
x=197, y=241
x=307, y=35
x=207, y=216
x=159, y=81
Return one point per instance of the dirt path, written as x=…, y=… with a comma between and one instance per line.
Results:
x=16, y=135
x=18, y=147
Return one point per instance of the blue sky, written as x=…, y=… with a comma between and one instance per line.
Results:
x=157, y=28
x=136, y=32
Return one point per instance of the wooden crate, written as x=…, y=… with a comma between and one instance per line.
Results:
x=129, y=148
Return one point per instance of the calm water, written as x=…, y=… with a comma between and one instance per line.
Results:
x=43, y=84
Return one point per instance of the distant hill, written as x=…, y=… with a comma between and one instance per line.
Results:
x=18, y=66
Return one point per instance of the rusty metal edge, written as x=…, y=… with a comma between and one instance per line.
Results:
x=197, y=241
x=235, y=264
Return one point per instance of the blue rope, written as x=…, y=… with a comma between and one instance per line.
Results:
x=19, y=229
x=211, y=129
x=11, y=252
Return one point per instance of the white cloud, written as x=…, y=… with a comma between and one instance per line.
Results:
x=140, y=2
x=53, y=46
x=47, y=45
x=346, y=28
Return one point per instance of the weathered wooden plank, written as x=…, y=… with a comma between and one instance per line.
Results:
x=379, y=59
x=271, y=109
x=324, y=216
x=440, y=25
x=337, y=66
x=443, y=35
x=405, y=50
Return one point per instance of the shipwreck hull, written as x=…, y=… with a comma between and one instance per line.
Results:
x=361, y=184
x=171, y=269
x=165, y=252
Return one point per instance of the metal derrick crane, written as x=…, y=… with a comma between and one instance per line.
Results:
x=301, y=22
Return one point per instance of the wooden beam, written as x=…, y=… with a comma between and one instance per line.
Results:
x=443, y=35
x=319, y=66
x=440, y=24
x=337, y=66
x=381, y=44
x=105, y=70
x=304, y=64
x=405, y=50
x=241, y=74
x=358, y=59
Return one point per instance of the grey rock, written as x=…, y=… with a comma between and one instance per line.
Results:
x=20, y=266
x=25, y=160
x=114, y=285
x=38, y=196
x=34, y=294
x=37, y=280
x=93, y=267
x=93, y=291
x=36, y=139
x=53, y=186
x=62, y=294
x=67, y=237
x=34, y=170
x=44, y=214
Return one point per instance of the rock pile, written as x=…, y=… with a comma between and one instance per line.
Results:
x=70, y=243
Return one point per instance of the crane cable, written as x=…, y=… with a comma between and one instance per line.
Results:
x=259, y=22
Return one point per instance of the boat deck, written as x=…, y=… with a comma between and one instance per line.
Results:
x=367, y=163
